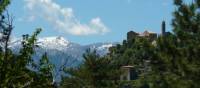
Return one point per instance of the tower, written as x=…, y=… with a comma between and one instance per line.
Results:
x=163, y=28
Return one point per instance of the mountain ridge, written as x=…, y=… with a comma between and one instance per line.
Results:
x=59, y=45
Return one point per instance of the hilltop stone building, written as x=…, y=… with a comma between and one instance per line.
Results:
x=128, y=71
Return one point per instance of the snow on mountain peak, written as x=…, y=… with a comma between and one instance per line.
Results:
x=55, y=42
x=106, y=46
x=61, y=44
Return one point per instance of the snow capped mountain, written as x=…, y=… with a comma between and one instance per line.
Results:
x=59, y=49
x=58, y=43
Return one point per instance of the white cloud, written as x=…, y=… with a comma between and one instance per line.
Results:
x=63, y=19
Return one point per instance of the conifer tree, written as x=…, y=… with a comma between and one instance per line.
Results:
x=175, y=62
x=94, y=72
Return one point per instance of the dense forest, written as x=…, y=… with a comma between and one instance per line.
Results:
x=169, y=60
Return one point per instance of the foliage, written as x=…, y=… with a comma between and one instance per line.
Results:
x=3, y=5
x=179, y=53
x=94, y=72
x=171, y=61
x=20, y=70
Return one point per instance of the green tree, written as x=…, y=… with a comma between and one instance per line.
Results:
x=94, y=72
x=171, y=61
x=20, y=70
x=175, y=62
x=3, y=5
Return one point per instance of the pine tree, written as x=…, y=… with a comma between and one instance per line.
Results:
x=94, y=72
x=175, y=62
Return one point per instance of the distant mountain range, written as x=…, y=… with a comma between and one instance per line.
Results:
x=61, y=51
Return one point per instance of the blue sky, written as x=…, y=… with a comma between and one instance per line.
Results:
x=90, y=21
